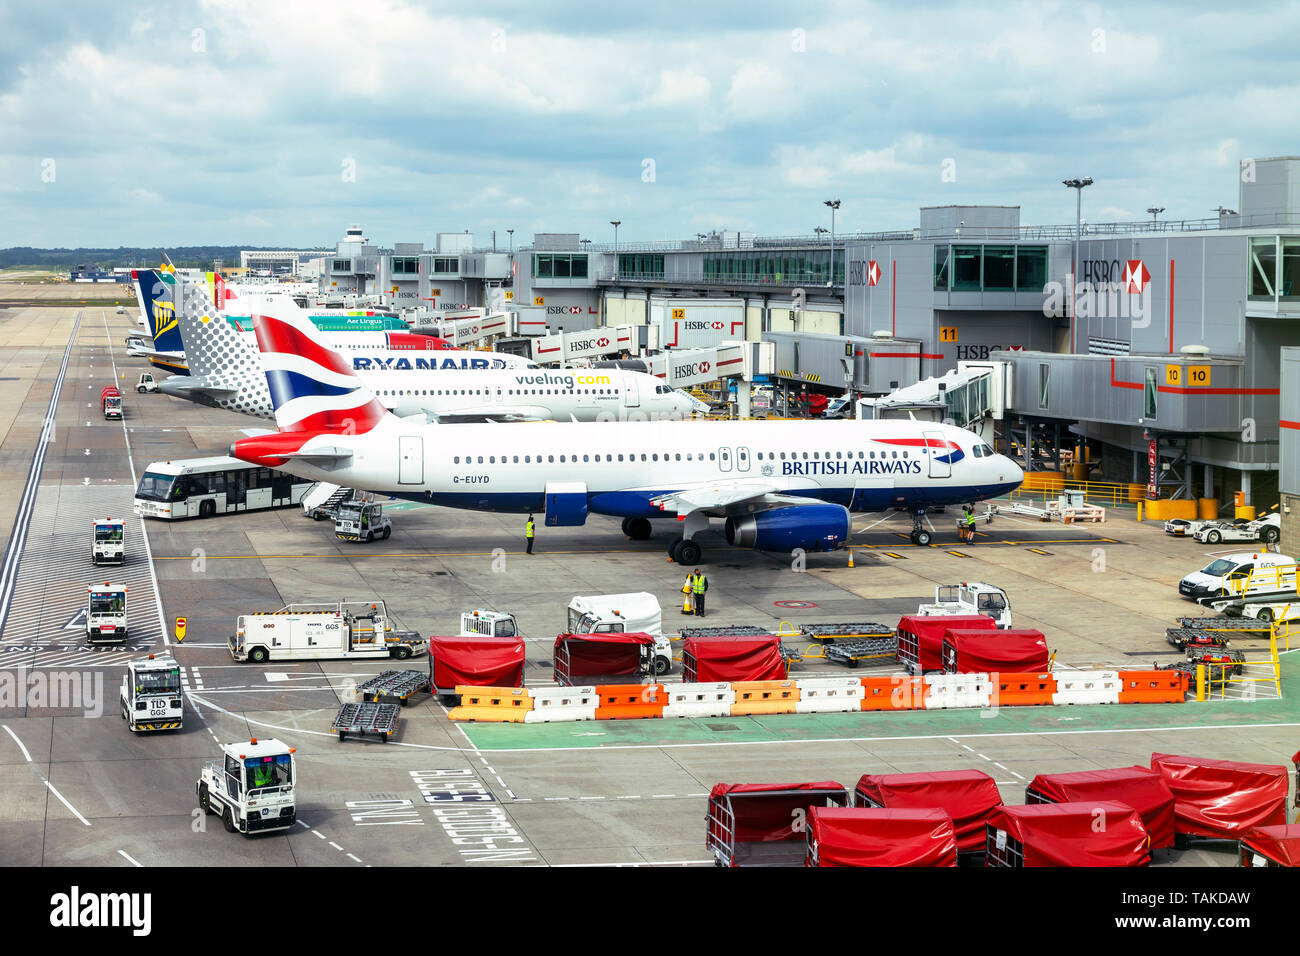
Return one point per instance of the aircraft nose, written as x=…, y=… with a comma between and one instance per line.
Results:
x=1013, y=471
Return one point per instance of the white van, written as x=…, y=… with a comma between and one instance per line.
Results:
x=1250, y=575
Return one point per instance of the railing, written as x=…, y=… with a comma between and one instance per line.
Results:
x=1216, y=681
x=1097, y=492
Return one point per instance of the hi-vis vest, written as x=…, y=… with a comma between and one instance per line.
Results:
x=528, y=530
x=697, y=584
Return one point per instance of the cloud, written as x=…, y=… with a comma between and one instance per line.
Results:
x=476, y=119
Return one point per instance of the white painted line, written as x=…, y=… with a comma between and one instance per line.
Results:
x=133, y=861
x=555, y=799
x=26, y=755
x=840, y=740
x=302, y=823
x=353, y=856
x=561, y=866
x=336, y=846
x=318, y=833
x=63, y=801
x=982, y=757
x=637, y=797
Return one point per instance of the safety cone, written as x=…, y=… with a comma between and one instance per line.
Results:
x=850, y=557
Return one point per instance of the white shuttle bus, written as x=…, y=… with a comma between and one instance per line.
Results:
x=203, y=487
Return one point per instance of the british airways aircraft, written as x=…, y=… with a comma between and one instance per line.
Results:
x=778, y=485
x=226, y=372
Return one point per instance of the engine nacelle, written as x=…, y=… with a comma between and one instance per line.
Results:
x=810, y=527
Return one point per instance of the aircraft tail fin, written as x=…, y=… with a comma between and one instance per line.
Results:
x=313, y=388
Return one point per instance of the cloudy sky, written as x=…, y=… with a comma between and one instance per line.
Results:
x=223, y=121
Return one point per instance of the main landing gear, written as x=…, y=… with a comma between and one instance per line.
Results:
x=683, y=551
x=919, y=536
x=638, y=529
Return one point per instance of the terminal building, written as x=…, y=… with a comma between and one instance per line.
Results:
x=1161, y=350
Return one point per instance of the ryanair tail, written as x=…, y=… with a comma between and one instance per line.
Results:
x=158, y=293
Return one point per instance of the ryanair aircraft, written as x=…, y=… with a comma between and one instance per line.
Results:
x=439, y=386
x=777, y=485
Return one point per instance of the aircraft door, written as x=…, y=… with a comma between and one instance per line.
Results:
x=410, y=460
x=724, y=459
x=938, y=450
x=742, y=458
x=631, y=394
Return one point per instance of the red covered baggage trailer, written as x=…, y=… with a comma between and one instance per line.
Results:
x=727, y=658
x=968, y=797
x=920, y=637
x=873, y=836
x=1142, y=789
x=1271, y=846
x=1223, y=798
x=1013, y=651
x=1067, y=834
x=110, y=401
x=476, y=661
x=602, y=655
x=764, y=824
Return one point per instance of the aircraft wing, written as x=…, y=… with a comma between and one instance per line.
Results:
x=722, y=498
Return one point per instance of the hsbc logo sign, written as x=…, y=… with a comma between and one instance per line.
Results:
x=873, y=272
x=583, y=345
x=1131, y=273
x=564, y=310
x=704, y=326
x=602, y=343
x=1135, y=277
x=695, y=368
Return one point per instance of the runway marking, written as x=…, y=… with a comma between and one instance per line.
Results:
x=131, y=859
x=1039, y=551
x=26, y=504
x=45, y=780
x=563, y=866
x=144, y=531
x=958, y=554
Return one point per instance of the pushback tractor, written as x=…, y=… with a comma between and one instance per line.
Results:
x=151, y=694
x=252, y=787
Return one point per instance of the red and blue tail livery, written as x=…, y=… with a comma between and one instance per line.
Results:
x=312, y=388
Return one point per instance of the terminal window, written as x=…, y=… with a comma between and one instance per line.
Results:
x=561, y=266
x=999, y=268
x=966, y=268
x=1263, y=268
x=446, y=265
x=406, y=265
x=1044, y=381
x=1150, y=394
x=941, y=258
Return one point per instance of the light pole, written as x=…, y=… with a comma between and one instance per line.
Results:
x=1155, y=211
x=1078, y=185
x=511, y=234
x=616, y=223
x=834, y=204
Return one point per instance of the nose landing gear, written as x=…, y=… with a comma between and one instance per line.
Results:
x=919, y=536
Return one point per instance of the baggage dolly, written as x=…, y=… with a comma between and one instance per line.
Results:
x=364, y=719
x=394, y=687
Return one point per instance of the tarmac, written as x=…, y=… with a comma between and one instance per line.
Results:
x=82, y=790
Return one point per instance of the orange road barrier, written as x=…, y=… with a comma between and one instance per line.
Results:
x=629, y=701
x=1153, y=687
x=1020, y=690
x=764, y=697
x=896, y=692
x=504, y=705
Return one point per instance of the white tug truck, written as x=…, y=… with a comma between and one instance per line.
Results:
x=106, y=614
x=151, y=694
x=107, y=546
x=485, y=623
x=974, y=597
x=252, y=788
x=361, y=521
x=303, y=632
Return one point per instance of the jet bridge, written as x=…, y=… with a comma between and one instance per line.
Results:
x=972, y=396
x=564, y=347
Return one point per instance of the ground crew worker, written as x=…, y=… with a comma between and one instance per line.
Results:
x=699, y=584
x=963, y=523
x=528, y=533
x=970, y=526
x=688, y=603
